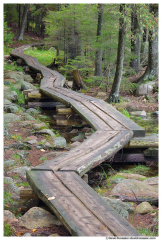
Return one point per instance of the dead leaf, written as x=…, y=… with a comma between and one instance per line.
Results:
x=51, y=198
x=34, y=230
x=153, y=214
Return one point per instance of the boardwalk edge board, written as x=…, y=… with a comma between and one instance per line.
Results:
x=58, y=182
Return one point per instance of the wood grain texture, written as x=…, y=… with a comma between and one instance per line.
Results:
x=69, y=209
x=95, y=203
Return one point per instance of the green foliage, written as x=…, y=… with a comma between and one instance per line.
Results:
x=21, y=97
x=7, y=230
x=8, y=35
x=12, y=67
x=44, y=56
x=124, y=112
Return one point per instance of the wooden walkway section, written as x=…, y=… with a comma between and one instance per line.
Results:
x=58, y=182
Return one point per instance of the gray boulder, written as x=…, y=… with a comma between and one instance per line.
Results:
x=28, y=78
x=37, y=217
x=47, y=131
x=11, y=117
x=26, y=86
x=17, y=76
x=60, y=142
x=11, y=109
x=122, y=208
x=145, y=88
x=131, y=188
x=20, y=170
x=10, y=95
x=144, y=208
x=9, y=163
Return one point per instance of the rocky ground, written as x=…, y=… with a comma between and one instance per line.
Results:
x=29, y=142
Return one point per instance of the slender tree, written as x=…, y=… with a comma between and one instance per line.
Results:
x=152, y=67
x=114, y=94
x=23, y=22
x=135, y=39
x=98, y=57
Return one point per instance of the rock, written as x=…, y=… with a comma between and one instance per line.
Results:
x=8, y=215
x=78, y=138
x=10, y=95
x=34, y=141
x=8, y=180
x=144, y=208
x=139, y=113
x=52, y=155
x=14, y=188
x=155, y=114
x=39, y=126
x=11, y=117
x=60, y=142
x=151, y=152
x=37, y=218
x=11, y=109
x=32, y=111
x=9, y=163
x=26, y=86
x=122, y=208
x=74, y=131
x=117, y=180
x=28, y=78
x=129, y=187
x=6, y=102
x=27, y=235
x=144, y=89
x=47, y=131
x=152, y=181
x=27, y=116
x=20, y=170
x=17, y=76
x=132, y=176
x=87, y=130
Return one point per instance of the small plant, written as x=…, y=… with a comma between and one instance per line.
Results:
x=42, y=159
x=124, y=112
x=7, y=230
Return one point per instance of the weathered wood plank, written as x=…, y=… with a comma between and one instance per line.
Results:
x=106, y=118
x=43, y=104
x=78, y=220
x=28, y=194
x=93, y=142
x=94, y=121
x=119, y=117
x=143, y=142
x=84, y=163
x=95, y=203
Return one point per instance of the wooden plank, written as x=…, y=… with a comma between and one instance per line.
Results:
x=106, y=118
x=128, y=123
x=35, y=95
x=95, y=203
x=93, y=142
x=65, y=111
x=28, y=194
x=78, y=220
x=94, y=121
x=143, y=142
x=86, y=162
x=43, y=104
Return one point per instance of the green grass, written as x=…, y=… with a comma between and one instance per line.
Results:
x=139, y=169
x=45, y=57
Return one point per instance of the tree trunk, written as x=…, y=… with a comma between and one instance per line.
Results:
x=114, y=95
x=77, y=81
x=152, y=67
x=23, y=22
x=98, y=58
x=135, y=40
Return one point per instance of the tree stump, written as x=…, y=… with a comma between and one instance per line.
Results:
x=77, y=81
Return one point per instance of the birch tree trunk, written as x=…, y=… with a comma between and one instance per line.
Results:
x=114, y=94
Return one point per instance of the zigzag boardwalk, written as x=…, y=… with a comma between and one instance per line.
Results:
x=58, y=183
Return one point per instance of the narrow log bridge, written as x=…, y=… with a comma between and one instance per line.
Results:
x=58, y=183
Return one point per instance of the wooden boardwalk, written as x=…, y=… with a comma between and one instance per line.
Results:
x=58, y=182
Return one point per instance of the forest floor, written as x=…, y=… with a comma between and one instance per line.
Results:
x=132, y=104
